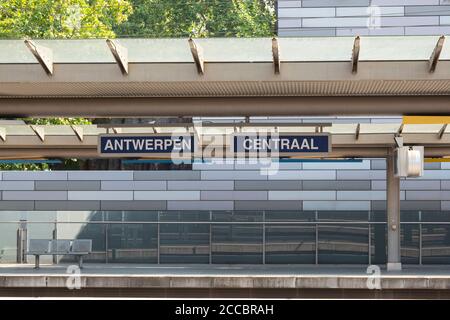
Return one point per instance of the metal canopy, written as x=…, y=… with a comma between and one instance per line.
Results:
x=227, y=67
x=348, y=140
x=224, y=106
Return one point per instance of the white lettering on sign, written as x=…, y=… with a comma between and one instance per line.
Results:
x=109, y=145
x=277, y=144
x=148, y=144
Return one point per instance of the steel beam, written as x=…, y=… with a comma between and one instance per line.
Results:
x=91, y=152
x=220, y=106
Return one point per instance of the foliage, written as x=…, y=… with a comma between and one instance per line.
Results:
x=57, y=121
x=25, y=167
x=200, y=18
x=73, y=19
x=61, y=18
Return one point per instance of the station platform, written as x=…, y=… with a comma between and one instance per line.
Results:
x=224, y=281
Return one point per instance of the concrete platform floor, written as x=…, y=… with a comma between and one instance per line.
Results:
x=222, y=270
x=280, y=281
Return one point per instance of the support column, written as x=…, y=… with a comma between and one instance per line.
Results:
x=393, y=215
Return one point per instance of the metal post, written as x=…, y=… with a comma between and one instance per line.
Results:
x=21, y=256
x=393, y=216
x=420, y=238
x=106, y=242
x=317, y=238
x=55, y=236
x=370, y=238
x=264, y=238
x=25, y=244
x=370, y=246
x=36, y=261
x=210, y=237
x=19, y=242
x=158, y=238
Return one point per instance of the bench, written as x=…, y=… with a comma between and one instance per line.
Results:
x=41, y=247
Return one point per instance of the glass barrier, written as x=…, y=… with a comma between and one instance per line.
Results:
x=233, y=237
x=406, y=48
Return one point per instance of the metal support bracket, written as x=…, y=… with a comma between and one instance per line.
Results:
x=78, y=131
x=120, y=54
x=358, y=131
x=400, y=130
x=3, y=133
x=398, y=141
x=276, y=55
x=40, y=132
x=355, y=54
x=442, y=131
x=43, y=55
x=197, y=54
x=436, y=53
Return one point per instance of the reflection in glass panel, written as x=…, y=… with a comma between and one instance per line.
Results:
x=379, y=216
x=79, y=216
x=409, y=243
x=435, y=244
x=11, y=216
x=343, y=244
x=378, y=243
x=409, y=216
x=436, y=216
x=290, y=216
x=186, y=216
x=236, y=243
x=133, y=243
x=338, y=216
x=184, y=243
x=114, y=215
x=237, y=216
x=8, y=242
x=90, y=231
x=41, y=216
x=131, y=216
x=290, y=244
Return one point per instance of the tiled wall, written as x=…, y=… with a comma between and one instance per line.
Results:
x=363, y=17
x=296, y=186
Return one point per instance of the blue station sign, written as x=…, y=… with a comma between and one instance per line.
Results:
x=145, y=145
x=282, y=145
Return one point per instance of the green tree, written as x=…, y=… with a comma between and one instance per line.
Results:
x=61, y=18
x=200, y=18
x=131, y=18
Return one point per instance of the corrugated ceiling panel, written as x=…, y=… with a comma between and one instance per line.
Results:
x=211, y=89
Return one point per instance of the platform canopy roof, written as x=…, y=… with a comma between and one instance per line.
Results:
x=156, y=70
x=226, y=67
